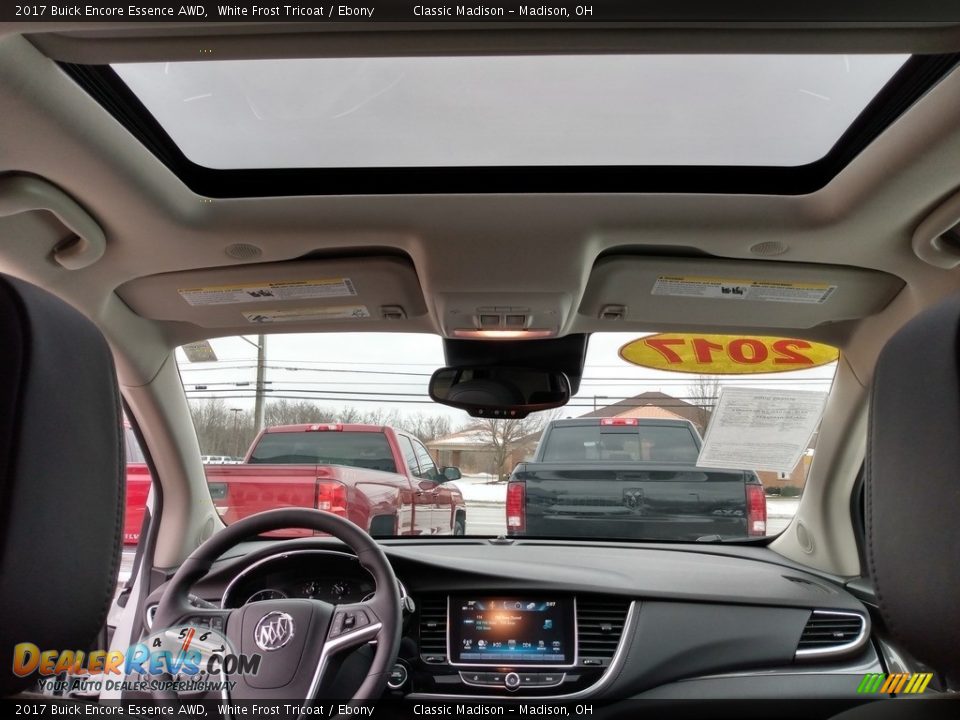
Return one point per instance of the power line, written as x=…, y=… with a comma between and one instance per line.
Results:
x=690, y=379
x=381, y=398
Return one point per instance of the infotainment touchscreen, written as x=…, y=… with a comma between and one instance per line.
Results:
x=505, y=631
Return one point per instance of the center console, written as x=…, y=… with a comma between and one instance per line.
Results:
x=482, y=644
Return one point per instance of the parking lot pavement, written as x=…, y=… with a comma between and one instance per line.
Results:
x=486, y=519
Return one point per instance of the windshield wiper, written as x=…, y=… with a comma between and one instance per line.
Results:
x=724, y=539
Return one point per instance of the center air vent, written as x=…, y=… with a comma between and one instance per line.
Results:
x=433, y=629
x=829, y=632
x=600, y=623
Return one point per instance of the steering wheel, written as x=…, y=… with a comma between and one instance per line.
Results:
x=297, y=638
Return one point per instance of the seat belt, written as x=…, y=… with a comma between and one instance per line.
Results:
x=124, y=595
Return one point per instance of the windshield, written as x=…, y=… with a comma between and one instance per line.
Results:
x=646, y=449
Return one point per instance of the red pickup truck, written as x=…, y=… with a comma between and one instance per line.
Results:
x=382, y=479
x=138, y=487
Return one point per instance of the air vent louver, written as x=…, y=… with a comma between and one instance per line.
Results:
x=600, y=622
x=828, y=633
x=433, y=629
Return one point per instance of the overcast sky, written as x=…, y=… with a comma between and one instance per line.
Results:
x=391, y=370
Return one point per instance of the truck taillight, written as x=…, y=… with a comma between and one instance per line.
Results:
x=326, y=427
x=516, y=510
x=619, y=421
x=756, y=510
x=332, y=497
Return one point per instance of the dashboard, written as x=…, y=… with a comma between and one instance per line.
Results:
x=550, y=620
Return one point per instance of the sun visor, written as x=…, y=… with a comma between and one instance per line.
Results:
x=662, y=291
x=366, y=293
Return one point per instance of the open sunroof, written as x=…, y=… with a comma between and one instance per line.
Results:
x=558, y=123
x=784, y=110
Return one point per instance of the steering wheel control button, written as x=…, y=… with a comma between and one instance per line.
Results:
x=346, y=620
x=511, y=681
x=398, y=677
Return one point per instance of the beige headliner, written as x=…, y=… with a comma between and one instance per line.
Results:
x=488, y=245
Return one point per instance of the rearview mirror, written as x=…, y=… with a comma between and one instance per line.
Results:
x=499, y=392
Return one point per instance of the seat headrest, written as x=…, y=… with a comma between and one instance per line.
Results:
x=61, y=476
x=913, y=487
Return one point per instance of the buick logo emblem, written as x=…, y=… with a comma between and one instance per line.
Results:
x=274, y=630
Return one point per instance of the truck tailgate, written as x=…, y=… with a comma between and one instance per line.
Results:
x=238, y=491
x=655, y=503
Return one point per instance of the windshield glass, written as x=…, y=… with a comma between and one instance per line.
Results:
x=646, y=449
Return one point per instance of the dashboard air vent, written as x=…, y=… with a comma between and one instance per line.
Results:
x=433, y=629
x=600, y=623
x=829, y=632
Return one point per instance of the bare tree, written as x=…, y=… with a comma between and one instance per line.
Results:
x=380, y=416
x=223, y=430
x=349, y=414
x=427, y=427
x=295, y=412
x=504, y=435
x=704, y=392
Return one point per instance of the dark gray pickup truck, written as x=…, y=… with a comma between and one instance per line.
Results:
x=633, y=478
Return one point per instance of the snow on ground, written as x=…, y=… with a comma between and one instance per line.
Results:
x=482, y=488
x=781, y=507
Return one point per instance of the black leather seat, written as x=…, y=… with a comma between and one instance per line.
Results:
x=913, y=503
x=61, y=477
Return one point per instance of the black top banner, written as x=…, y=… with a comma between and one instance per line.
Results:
x=552, y=11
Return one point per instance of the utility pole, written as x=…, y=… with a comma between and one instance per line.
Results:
x=258, y=409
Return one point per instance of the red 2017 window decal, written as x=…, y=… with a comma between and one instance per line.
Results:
x=661, y=345
x=786, y=352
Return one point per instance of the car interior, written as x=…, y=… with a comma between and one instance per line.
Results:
x=148, y=169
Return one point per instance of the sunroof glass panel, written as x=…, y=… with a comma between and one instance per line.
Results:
x=562, y=110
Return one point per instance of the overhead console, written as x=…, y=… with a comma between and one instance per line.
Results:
x=648, y=291
x=503, y=316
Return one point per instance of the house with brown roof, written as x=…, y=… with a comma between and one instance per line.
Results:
x=655, y=404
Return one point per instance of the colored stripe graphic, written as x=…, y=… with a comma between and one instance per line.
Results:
x=927, y=677
x=894, y=684
x=186, y=641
